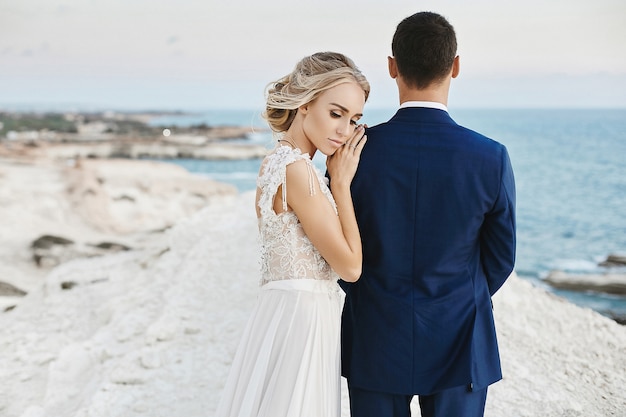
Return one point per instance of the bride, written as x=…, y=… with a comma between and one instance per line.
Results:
x=288, y=360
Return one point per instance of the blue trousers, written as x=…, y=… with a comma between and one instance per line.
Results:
x=454, y=402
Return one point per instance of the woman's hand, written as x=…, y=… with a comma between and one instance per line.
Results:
x=343, y=163
x=332, y=230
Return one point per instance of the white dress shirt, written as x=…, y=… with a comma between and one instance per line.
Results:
x=428, y=104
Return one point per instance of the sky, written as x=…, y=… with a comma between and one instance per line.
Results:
x=208, y=54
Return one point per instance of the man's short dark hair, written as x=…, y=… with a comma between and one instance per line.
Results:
x=424, y=47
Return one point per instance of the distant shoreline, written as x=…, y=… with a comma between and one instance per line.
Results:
x=120, y=135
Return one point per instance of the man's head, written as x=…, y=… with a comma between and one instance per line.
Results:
x=424, y=48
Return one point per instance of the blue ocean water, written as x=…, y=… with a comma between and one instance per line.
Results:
x=570, y=169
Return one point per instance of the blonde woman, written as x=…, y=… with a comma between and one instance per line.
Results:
x=288, y=361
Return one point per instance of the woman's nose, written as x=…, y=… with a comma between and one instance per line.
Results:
x=344, y=128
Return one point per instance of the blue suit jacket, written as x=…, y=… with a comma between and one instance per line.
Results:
x=435, y=203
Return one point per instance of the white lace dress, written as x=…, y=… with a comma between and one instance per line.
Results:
x=288, y=361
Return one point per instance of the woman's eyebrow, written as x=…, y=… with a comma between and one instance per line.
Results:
x=345, y=109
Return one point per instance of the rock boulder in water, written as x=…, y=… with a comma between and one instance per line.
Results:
x=610, y=283
x=614, y=260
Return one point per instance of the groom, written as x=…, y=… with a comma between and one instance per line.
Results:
x=435, y=203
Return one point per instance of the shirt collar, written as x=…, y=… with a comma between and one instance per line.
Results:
x=428, y=104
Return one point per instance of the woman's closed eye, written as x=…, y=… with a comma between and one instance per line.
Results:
x=336, y=115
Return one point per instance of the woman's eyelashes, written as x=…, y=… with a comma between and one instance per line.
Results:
x=336, y=115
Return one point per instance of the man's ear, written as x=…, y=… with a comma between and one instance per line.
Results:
x=456, y=66
x=393, y=67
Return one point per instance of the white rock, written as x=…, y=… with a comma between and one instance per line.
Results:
x=157, y=338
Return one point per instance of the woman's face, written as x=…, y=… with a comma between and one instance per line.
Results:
x=331, y=118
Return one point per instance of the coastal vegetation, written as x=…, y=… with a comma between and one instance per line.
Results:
x=120, y=123
x=21, y=122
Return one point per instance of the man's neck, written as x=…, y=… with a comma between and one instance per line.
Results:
x=437, y=93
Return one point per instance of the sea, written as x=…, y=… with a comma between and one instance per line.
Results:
x=570, y=171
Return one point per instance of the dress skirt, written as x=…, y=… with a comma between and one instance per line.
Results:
x=288, y=361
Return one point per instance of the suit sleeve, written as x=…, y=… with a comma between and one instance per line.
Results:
x=497, y=236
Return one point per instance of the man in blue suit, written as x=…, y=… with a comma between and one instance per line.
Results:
x=435, y=203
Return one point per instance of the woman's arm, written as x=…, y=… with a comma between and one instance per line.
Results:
x=336, y=236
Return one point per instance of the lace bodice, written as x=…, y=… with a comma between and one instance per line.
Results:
x=286, y=252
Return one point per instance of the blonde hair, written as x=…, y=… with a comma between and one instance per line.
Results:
x=312, y=76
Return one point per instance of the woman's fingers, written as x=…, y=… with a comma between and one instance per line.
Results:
x=359, y=139
x=356, y=137
x=359, y=146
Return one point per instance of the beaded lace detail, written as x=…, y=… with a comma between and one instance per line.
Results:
x=286, y=252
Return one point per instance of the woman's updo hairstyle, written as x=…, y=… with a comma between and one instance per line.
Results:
x=311, y=77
